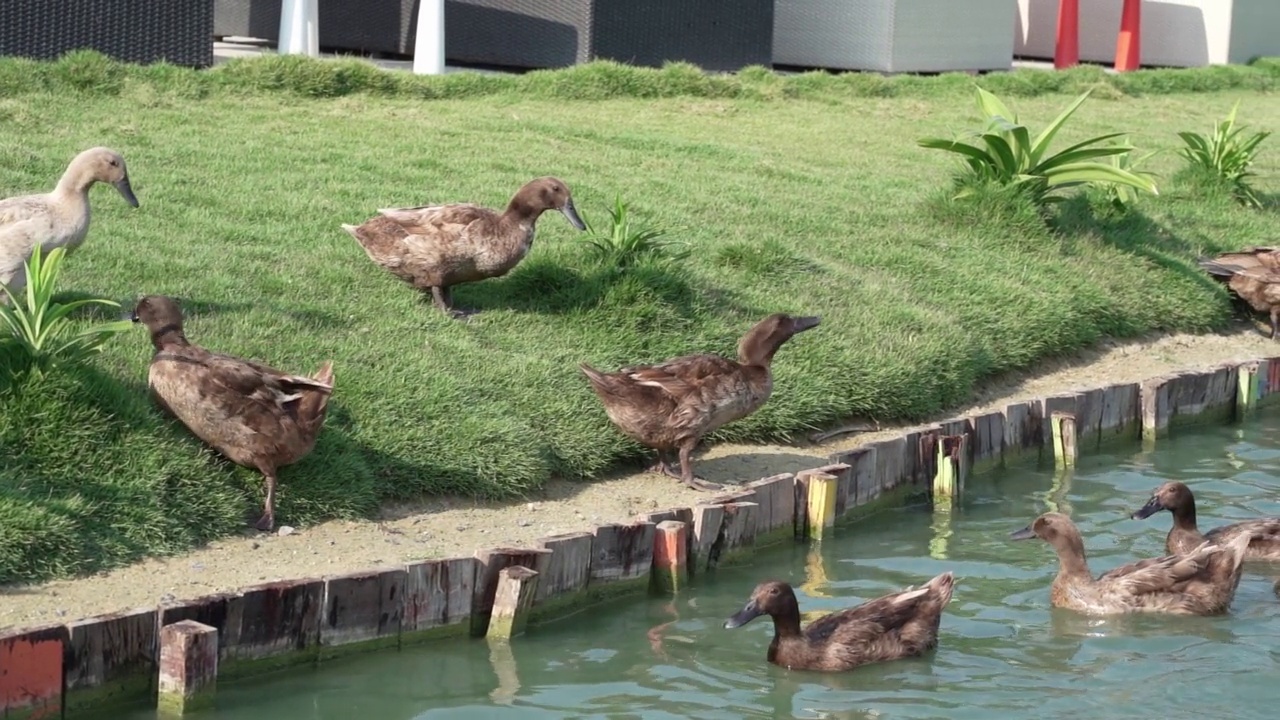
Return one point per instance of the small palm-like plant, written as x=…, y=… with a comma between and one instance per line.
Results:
x=37, y=332
x=1225, y=155
x=1122, y=197
x=1007, y=155
x=624, y=242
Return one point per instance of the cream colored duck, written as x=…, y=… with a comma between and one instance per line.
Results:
x=56, y=219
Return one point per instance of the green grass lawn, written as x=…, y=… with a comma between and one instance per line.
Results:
x=818, y=203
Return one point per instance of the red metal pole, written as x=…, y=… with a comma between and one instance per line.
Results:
x=1067, y=50
x=1128, y=52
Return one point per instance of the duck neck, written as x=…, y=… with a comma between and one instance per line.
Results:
x=73, y=182
x=168, y=336
x=1071, y=558
x=1184, y=516
x=521, y=212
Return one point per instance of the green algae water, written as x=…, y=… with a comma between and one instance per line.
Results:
x=1003, y=652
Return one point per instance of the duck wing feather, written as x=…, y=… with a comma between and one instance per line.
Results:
x=1162, y=574
x=438, y=221
x=258, y=381
x=869, y=621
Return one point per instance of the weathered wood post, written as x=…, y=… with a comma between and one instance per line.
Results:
x=517, y=586
x=1248, y=390
x=670, y=557
x=948, y=481
x=1065, y=449
x=820, y=503
x=188, y=667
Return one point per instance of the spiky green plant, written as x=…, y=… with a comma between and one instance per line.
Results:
x=37, y=331
x=1007, y=155
x=624, y=242
x=1225, y=155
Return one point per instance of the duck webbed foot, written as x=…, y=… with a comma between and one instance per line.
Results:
x=660, y=467
x=686, y=472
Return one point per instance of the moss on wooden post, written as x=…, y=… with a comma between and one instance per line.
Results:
x=948, y=480
x=670, y=557
x=188, y=667
x=1065, y=449
x=517, y=586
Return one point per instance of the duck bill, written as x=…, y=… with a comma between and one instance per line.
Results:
x=1025, y=533
x=572, y=213
x=806, y=323
x=748, y=613
x=1152, y=507
x=127, y=191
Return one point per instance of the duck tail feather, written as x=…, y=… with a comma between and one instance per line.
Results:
x=1217, y=268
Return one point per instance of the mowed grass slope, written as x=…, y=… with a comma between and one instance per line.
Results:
x=819, y=205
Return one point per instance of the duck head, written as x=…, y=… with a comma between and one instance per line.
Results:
x=1172, y=496
x=769, y=598
x=760, y=344
x=1055, y=529
x=542, y=194
x=102, y=164
x=161, y=316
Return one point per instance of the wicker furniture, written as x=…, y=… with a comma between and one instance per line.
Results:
x=1178, y=33
x=894, y=35
x=138, y=31
x=364, y=26
x=714, y=34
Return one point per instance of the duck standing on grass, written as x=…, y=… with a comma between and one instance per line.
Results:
x=56, y=219
x=894, y=626
x=1200, y=582
x=1184, y=536
x=254, y=415
x=1253, y=274
x=672, y=405
x=436, y=247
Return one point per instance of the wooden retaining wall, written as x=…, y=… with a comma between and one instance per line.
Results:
x=52, y=671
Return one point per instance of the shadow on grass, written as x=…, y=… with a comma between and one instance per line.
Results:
x=100, y=313
x=544, y=285
x=1135, y=233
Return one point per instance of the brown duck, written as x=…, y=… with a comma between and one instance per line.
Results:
x=1254, y=275
x=672, y=405
x=439, y=246
x=254, y=415
x=1200, y=582
x=898, y=625
x=1185, y=536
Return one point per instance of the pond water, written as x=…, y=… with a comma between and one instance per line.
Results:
x=1003, y=652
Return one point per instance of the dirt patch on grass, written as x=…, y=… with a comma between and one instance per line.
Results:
x=452, y=527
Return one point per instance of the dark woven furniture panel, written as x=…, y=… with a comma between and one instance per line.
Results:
x=713, y=34
x=136, y=31
x=364, y=26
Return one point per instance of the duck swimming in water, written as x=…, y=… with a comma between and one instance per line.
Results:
x=898, y=625
x=1200, y=582
x=1177, y=498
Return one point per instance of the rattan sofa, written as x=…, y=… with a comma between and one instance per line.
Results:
x=714, y=34
x=138, y=31
x=895, y=35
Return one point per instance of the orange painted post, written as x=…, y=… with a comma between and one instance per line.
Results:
x=670, y=556
x=1066, y=52
x=31, y=673
x=1128, y=51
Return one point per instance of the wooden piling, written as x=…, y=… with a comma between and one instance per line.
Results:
x=952, y=466
x=492, y=562
x=31, y=672
x=820, y=503
x=512, y=602
x=110, y=659
x=708, y=520
x=670, y=557
x=1065, y=440
x=362, y=609
x=1248, y=390
x=188, y=667
x=437, y=598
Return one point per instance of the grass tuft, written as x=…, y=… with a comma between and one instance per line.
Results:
x=798, y=193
